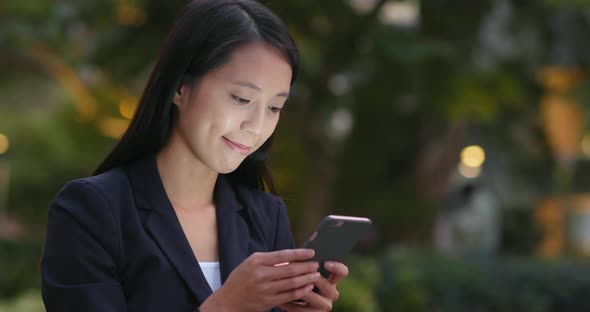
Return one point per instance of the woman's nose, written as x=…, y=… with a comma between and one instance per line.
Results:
x=254, y=121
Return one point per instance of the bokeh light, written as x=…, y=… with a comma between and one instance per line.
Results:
x=473, y=156
x=4, y=143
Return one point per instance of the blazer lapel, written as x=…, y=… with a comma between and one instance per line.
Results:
x=232, y=230
x=163, y=225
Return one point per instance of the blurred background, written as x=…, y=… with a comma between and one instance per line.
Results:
x=458, y=127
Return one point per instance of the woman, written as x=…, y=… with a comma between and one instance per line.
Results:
x=176, y=217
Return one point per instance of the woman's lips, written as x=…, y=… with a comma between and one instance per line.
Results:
x=237, y=147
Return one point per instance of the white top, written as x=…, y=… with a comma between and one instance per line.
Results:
x=212, y=274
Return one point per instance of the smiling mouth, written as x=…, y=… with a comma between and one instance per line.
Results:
x=242, y=149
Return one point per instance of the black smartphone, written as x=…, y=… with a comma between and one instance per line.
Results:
x=335, y=237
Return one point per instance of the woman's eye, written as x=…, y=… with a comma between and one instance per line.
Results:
x=275, y=109
x=240, y=100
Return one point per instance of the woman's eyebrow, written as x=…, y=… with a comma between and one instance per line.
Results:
x=255, y=87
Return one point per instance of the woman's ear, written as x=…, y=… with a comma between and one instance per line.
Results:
x=181, y=95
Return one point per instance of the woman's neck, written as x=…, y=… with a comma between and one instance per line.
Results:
x=189, y=184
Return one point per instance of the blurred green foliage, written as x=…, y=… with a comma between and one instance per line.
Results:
x=409, y=87
x=29, y=301
x=20, y=267
x=427, y=282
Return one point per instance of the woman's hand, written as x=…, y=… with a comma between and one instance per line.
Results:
x=266, y=280
x=327, y=293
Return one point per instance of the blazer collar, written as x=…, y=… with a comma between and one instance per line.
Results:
x=163, y=225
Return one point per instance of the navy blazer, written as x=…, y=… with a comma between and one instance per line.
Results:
x=114, y=242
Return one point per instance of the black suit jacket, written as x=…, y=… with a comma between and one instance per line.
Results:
x=114, y=242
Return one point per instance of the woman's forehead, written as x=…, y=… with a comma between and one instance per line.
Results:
x=259, y=64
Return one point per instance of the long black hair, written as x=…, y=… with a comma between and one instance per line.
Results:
x=202, y=39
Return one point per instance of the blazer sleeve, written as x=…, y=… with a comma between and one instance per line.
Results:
x=283, y=235
x=78, y=262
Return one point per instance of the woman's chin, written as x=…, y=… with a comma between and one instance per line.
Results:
x=227, y=168
x=226, y=171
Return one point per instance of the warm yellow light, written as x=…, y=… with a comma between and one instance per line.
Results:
x=112, y=127
x=4, y=143
x=83, y=100
x=126, y=109
x=473, y=156
x=129, y=14
x=469, y=172
x=586, y=145
x=559, y=78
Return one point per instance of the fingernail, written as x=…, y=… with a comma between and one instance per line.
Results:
x=316, y=275
x=329, y=265
x=309, y=252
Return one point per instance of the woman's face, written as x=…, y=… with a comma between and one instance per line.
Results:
x=231, y=111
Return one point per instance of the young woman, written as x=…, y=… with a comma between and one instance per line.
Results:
x=176, y=217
